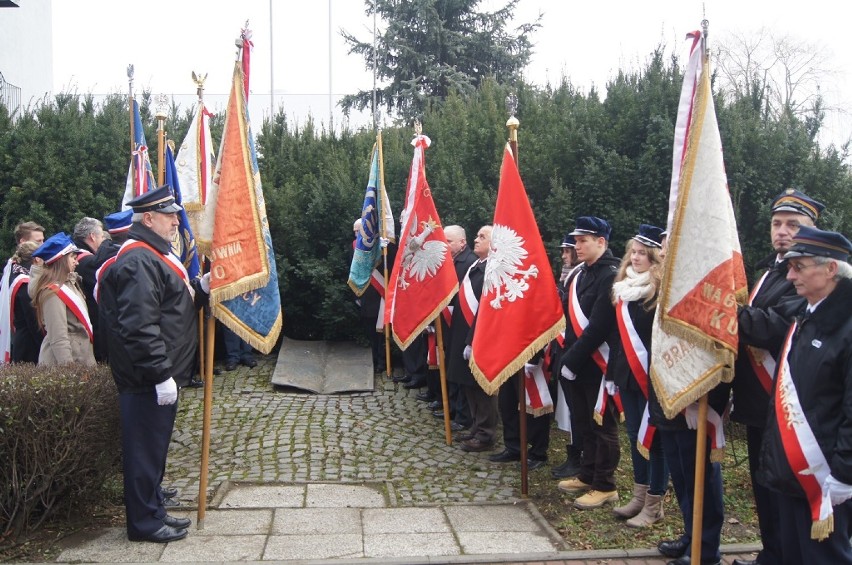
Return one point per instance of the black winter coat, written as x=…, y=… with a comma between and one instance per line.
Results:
x=87, y=269
x=750, y=398
x=593, y=294
x=462, y=263
x=821, y=368
x=458, y=368
x=150, y=317
x=618, y=369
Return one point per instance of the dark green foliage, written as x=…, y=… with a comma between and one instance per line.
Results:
x=431, y=48
x=60, y=440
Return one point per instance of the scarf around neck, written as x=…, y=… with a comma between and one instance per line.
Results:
x=634, y=286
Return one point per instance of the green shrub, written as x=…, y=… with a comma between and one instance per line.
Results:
x=60, y=439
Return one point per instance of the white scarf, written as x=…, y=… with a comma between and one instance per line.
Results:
x=635, y=286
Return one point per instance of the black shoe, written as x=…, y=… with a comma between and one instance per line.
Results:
x=435, y=405
x=177, y=523
x=163, y=535
x=217, y=371
x=456, y=427
x=169, y=492
x=685, y=560
x=424, y=396
x=570, y=468
x=463, y=436
x=533, y=464
x=251, y=363
x=504, y=456
x=230, y=366
x=401, y=379
x=440, y=414
x=414, y=383
x=745, y=562
x=673, y=547
x=195, y=383
x=171, y=502
x=474, y=445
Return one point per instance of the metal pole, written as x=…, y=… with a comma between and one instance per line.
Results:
x=330, y=91
x=271, y=66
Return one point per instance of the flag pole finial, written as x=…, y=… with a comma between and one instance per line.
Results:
x=512, y=123
x=418, y=127
x=198, y=79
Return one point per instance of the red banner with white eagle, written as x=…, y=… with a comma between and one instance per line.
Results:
x=423, y=280
x=519, y=310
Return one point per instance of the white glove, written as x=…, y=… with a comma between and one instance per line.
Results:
x=691, y=415
x=529, y=368
x=383, y=241
x=466, y=353
x=205, y=283
x=167, y=392
x=567, y=373
x=611, y=387
x=837, y=491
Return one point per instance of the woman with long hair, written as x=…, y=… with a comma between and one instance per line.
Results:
x=27, y=335
x=61, y=306
x=634, y=295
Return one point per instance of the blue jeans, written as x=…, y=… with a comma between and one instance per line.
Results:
x=654, y=471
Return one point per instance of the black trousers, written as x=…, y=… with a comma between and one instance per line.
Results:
x=765, y=502
x=601, y=450
x=414, y=358
x=146, y=430
x=538, y=429
x=794, y=529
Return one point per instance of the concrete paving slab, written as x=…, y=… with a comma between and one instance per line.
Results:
x=332, y=546
x=220, y=549
x=316, y=521
x=410, y=545
x=324, y=367
x=343, y=496
x=404, y=521
x=491, y=518
x=506, y=542
x=231, y=522
x=264, y=496
x=108, y=546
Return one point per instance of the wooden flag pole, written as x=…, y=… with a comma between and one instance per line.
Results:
x=210, y=332
x=202, y=345
x=442, y=371
x=512, y=123
x=132, y=127
x=700, y=470
x=161, y=140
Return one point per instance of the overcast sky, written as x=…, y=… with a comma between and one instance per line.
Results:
x=587, y=41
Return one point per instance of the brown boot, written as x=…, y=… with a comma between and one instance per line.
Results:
x=651, y=513
x=635, y=505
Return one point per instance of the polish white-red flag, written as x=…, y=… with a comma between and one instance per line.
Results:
x=423, y=280
x=519, y=310
x=694, y=340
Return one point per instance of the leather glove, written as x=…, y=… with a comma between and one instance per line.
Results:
x=466, y=353
x=167, y=392
x=567, y=373
x=691, y=415
x=837, y=491
x=611, y=388
x=205, y=283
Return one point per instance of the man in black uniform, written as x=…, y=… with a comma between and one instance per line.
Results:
x=150, y=305
x=591, y=326
x=755, y=367
x=806, y=455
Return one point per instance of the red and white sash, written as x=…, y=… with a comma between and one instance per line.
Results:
x=99, y=275
x=76, y=304
x=579, y=322
x=170, y=259
x=762, y=362
x=538, y=396
x=468, y=302
x=637, y=358
x=16, y=285
x=432, y=357
x=377, y=281
x=800, y=446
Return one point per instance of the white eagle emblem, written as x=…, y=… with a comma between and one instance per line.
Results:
x=503, y=273
x=420, y=257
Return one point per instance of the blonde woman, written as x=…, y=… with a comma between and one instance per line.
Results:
x=61, y=306
x=634, y=295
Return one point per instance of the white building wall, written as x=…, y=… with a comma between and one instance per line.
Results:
x=26, y=48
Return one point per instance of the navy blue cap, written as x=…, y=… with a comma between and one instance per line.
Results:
x=813, y=242
x=55, y=247
x=119, y=222
x=590, y=225
x=568, y=241
x=158, y=200
x=792, y=200
x=650, y=236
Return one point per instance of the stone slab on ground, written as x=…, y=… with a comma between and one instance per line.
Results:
x=324, y=367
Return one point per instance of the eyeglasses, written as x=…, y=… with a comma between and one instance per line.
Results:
x=799, y=267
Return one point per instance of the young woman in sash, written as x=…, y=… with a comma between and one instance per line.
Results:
x=61, y=306
x=634, y=295
x=27, y=335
